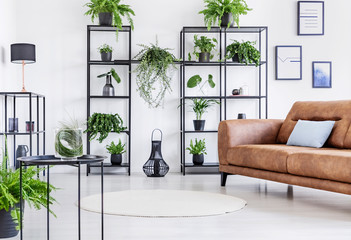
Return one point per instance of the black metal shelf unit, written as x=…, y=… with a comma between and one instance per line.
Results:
x=222, y=33
x=122, y=62
x=36, y=113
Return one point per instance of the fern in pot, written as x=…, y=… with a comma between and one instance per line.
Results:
x=200, y=106
x=244, y=52
x=116, y=152
x=225, y=12
x=203, y=48
x=197, y=150
x=105, y=51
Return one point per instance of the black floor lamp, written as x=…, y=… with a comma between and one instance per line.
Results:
x=23, y=53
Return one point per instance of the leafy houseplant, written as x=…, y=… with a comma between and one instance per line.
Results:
x=108, y=89
x=105, y=52
x=203, y=47
x=225, y=12
x=200, y=106
x=68, y=141
x=154, y=73
x=244, y=52
x=34, y=192
x=116, y=152
x=105, y=9
x=103, y=124
x=196, y=80
x=198, y=150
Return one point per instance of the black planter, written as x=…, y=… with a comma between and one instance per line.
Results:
x=199, y=125
x=108, y=89
x=235, y=58
x=106, y=57
x=105, y=19
x=204, y=57
x=198, y=159
x=227, y=18
x=7, y=226
x=116, y=159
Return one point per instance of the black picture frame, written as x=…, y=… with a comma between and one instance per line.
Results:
x=310, y=18
x=281, y=61
x=322, y=74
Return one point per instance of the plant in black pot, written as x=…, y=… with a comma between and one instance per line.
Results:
x=108, y=89
x=110, y=12
x=116, y=152
x=203, y=48
x=198, y=150
x=200, y=106
x=244, y=52
x=34, y=193
x=225, y=12
x=105, y=52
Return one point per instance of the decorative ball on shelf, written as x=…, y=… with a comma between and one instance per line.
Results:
x=236, y=92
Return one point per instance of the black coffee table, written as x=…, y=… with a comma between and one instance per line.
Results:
x=51, y=160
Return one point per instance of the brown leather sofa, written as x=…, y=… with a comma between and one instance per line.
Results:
x=257, y=148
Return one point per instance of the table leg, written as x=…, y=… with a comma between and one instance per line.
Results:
x=79, y=236
x=48, y=203
x=21, y=204
x=102, y=200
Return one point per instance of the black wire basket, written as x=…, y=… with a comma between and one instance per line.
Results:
x=156, y=166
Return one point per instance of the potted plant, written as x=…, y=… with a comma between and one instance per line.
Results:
x=110, y=12
x=34, y=193
x=225, y=12
x=116, y=152
x=105, y=52
x=200, y=106
x=103, y=124
x=68, y=141
x=203, y=47
x=108, y=89
x=153, y=74
x=196, y=80
x=198, y=150
x=244, y=52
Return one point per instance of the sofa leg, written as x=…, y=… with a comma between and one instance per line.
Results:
x=223, y=178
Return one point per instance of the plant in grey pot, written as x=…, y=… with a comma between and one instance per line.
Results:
x=203, y=48
x=116, y=152
x=108, y=89
x=198, y=150
x=110, y=12
x=34, y=193
x=200, y=106
x=225, y=12
x=105, y=52
x=244, y=52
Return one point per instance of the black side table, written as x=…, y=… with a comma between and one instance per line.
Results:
x=51, y=160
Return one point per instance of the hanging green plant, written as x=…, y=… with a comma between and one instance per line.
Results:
x=153, y=74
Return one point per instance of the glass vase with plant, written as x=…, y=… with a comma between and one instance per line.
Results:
x=68, y=141
x=108, y=89
x=197, y=150
x=203, y=48
x=105, y=52
x=225, y=12
x=244, y=52
x=200, y=106
x=116, y=151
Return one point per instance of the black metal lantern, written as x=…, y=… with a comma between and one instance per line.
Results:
x=155, y=166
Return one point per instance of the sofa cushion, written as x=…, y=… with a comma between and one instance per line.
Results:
x=270, y=157
x=324, y=163
x=338, y=111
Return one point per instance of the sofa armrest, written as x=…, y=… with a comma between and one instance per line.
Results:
x=245, y=131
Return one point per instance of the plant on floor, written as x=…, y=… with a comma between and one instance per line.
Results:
x=216, y=9
x=203, y=46
x=196, y=80
x=116, y=149
x=34, y=190
x=68, y=141
x=200, y=106
x=112, y=73
x=103, y=124
x=154, y=73
x=105, y=48
x=198, y=148
x=245, y=52
x=113, y=7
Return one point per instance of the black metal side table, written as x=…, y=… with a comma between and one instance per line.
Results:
x=51, y=160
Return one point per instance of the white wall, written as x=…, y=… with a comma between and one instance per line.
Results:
x=58, y=28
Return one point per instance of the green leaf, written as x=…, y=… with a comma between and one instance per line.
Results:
x=194, y=81
x=115, y=75
x=102, y=75
x=210, y=81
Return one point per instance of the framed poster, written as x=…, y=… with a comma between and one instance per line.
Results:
x=288, y=62
x=310, y=18
x=322, y=74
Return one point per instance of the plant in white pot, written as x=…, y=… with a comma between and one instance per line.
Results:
x=197, y=150
x=116, y=152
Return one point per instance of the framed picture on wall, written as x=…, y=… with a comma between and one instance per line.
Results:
x=288, y=62
x=310, y=18
x=322, y=74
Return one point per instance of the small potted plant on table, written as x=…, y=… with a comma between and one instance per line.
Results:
x=198, y=150
x=105, y=52
x=200, y=106
x=116, y=152
x=203, y=47
x=244, y=52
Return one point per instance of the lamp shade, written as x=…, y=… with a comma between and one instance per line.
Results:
x=22, y=52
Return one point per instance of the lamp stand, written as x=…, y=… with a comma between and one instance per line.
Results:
x=23, y=88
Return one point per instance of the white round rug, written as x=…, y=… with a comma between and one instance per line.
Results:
x=163, y=203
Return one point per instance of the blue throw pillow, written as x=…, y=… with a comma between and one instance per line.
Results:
x=310, y=133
